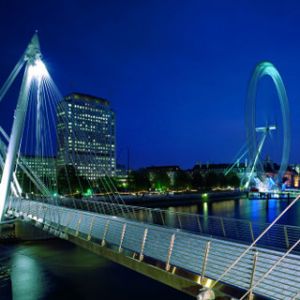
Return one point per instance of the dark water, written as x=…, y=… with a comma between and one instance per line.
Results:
x=56, y=269
x=263, y=211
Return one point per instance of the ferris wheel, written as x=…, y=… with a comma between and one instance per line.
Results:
x=259, y=131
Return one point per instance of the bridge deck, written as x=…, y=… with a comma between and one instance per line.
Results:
x=176, y=248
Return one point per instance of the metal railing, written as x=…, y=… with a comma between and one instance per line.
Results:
x=252, y=247
x=278, y=237
x=204, y=256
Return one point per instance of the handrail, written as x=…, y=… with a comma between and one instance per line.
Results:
x=281, y=236
x=255, y=242
x=203, y=256
x=245, y=231
x=270, y=270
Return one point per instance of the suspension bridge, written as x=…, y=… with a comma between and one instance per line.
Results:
x=205, y=257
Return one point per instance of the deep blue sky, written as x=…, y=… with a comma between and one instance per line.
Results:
x=176, y=72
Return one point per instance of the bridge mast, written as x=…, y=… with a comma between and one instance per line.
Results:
x=32, y=54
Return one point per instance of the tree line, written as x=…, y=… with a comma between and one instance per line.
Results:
x=141, y=180
x=69, y=182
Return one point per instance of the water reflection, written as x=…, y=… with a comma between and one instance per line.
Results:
x=56, y=269
x=27, y=278
x=225, y=209
x=171, y=217
x=205, y=209
x=192, y=209
x=272, y=209
x=262, y=210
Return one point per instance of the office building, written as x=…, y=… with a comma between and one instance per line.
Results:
x=43, y=167
x=86, y=135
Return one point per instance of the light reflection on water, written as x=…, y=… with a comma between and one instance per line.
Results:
x=205, y=209
x=27, y=277
x=44, y=270
x=225, y=209
x=56, y=269
x=264, y=211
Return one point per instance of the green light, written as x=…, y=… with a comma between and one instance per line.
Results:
x=204, y=196
x=54, y=194
x=160, y=188
x=89, y=192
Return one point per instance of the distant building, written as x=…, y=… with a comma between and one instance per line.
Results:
x=238, y=169
x=121, y=170
x=296, y=177
x=43, y=167
x=297, y=181
x=291, y=176
x=86, y=135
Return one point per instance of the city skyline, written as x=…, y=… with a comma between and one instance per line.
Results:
x=176, y=74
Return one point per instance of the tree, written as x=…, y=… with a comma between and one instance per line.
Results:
x=211, y=180
x=222, y=180
x=161, y=181
x=182, y=180
x=197, y=181
x=26, y=183
x=139, y=180
x=119, y=183
x=233, y=180
x=68, y=181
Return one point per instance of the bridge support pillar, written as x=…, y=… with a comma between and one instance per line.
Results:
x=32, y=53
x=25, y=231
x=14, y=142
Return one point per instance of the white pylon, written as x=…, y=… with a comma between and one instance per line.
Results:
x=32, y=54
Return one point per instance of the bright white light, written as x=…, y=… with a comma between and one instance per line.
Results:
x=38, y=70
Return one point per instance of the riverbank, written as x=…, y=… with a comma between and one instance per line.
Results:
x=180, y=199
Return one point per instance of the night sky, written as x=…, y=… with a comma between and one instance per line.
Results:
x=176, y=72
